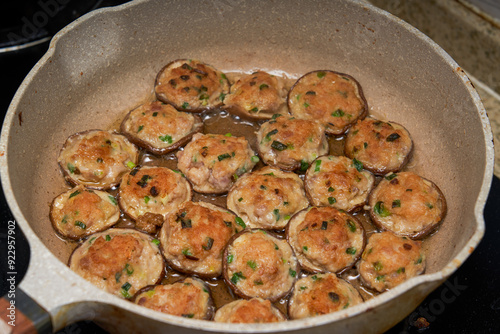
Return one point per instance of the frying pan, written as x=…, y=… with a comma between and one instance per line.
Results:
x=105, y=63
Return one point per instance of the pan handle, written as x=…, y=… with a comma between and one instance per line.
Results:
x=19, y=313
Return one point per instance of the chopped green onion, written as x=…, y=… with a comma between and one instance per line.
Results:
x=210, y=243
x=263, y=86
x=334, y=297
x=113, y=200
x=317, y=166
x=392, y=137
x=240, y=222
x=321, y=74
x=73, y=194
x=185, y=105
x=223, y=156
x=381, y=210
x=80, y=225
x=252, y=264
x=358, y=164
x=237, y=276
x=129, y=269
x=351, y=225
x=396, y=203
x=166, y=138
x=292, y=272
x=332, y=200
x=351, y=251
x=338, y=113
x=378, y=266
x=71, y=168
x=131, y=165
x=271, y=133
x=255, y=159
x=303, y=166
x=108, y=237
x=278, y=146
x=156, y=242
x=230, y=258
x=391, y=176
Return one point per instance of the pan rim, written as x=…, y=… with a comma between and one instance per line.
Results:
x=36, y=245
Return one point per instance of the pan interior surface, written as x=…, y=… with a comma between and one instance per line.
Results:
x=100, y=68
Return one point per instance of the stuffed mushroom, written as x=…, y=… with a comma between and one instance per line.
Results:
x=325, y=239
x=212, y=162
x=258, y=264
x=335, y=99
x=258, y=95
x=320, y=294
x=339, y=182
x=147, y=194
x=120, y=261
x=381, y=147
x=407, y=204
x=188, y=298
x=267, y=198
x=194, y=235
x=97, y=159
x=190, y=85
x=291, y=143
x=390, y=260
x=79, y=212
x=159, y=128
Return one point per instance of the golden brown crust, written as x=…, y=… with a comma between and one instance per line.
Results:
x=159, y=128
x=407, y=204
x=382, y=147
x=96, y=159
x=80, y=212
x=211, y=162
x=153, y=190
x=390, y=260
x=339, y=182
x=119, y=260
x=193, y=238
x=190, y=85
x=336, y=99
x=189, y=298
x=290, y=143
x=257, y=264
x=325, y=239
x=258, y=95
x=255, y=310
x=321, y=294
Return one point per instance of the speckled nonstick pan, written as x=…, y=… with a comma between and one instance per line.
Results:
x=105, y=63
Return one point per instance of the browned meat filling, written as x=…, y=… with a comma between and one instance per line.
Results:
x=381, y=147
x=259, y=95
x=390, y=260
x=335, y=99
x=190, y=85
x=291, y=143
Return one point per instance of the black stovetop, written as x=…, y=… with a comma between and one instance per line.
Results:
x=468, y=302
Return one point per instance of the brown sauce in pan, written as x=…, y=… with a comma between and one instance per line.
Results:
x=221, y=122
